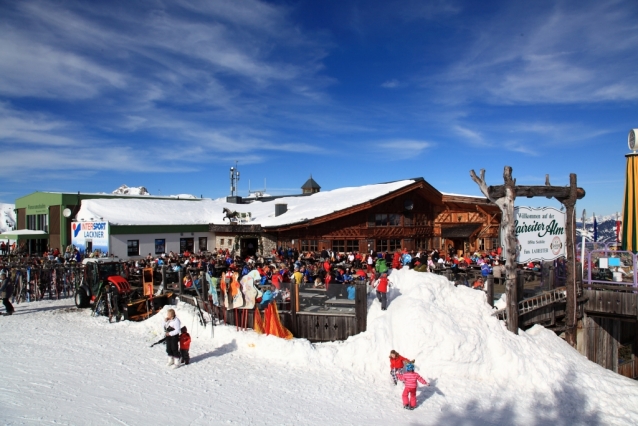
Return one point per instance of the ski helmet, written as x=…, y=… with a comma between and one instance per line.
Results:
x=409, y=367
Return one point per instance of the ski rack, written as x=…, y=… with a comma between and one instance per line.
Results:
x=536, y=302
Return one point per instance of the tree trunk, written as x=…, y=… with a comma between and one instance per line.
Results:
x=509, y=248
x=570, y=315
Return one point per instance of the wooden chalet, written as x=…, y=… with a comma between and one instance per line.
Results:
x=415, y=217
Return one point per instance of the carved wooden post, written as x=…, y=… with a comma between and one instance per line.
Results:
x=570, y=315
x=506, y=204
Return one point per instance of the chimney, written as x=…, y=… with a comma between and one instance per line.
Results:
x=280, y=209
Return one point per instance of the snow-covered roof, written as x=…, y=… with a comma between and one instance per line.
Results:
x=176, y=212
x=449, y=194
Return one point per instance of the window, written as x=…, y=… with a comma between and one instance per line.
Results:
x=381, y=219
x=133, y=247
x=420, y=219
x=221, y=242
x=31, y=222
x=481, y=243
x=160, y=246
x=421, y=243
x=186, y=244
x=38, y=222
x=308, y=245
x=203, y=243
x=388, y=245
x=384, y=219
x=352, y=245
x=339, y=246
x=494, y=243
x=230, y=242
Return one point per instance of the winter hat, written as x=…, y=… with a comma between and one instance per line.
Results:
x=183, y=330
x=409, y=367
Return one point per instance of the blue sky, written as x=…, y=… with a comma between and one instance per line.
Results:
x=169, y=94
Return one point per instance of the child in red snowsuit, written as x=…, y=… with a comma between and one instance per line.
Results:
x=184, y=346
x=410, y=378
x=397, y=363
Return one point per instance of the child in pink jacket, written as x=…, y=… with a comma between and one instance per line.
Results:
x=410, y=378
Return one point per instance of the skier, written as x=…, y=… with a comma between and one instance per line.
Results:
x=6, y=287
x=184, y=345
x=172, y=326
x=397, y=362
x=410, y=378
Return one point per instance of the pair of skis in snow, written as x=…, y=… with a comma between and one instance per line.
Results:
x=207, y=305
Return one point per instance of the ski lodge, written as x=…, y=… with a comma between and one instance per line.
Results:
x=409, y=214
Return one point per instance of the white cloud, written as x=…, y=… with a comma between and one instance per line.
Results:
x=390, y=84
x=573, y=52
x=401, y=149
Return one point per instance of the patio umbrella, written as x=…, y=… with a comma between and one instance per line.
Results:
x=629, y=232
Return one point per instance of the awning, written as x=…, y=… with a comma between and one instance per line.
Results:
x=459, y=231
x=24, y=234
x=629, y=232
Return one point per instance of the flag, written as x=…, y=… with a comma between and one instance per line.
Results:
x=595, y=230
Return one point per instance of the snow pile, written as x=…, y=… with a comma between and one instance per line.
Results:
x=125, y=190
x=467, y=352
x=7, y=217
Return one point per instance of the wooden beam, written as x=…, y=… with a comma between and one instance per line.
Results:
x=558, y=192
x=570, y=232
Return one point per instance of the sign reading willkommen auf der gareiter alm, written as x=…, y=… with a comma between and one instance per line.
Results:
x=540, y=233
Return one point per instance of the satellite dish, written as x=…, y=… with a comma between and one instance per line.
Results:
x=631, y=140
x=66, y=212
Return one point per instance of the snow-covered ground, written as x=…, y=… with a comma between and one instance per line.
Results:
x=60, y=365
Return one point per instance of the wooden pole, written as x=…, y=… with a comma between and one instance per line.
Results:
x=489, y=289
x=570, y=315
x=294, y=307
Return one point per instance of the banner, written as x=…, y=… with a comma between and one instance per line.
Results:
x=90, y=236
x=540, y=233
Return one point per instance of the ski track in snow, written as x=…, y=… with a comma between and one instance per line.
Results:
x=60, y=365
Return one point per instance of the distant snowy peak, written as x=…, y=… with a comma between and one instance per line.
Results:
x=182, y=196
x=606, y=228
x=125, y=190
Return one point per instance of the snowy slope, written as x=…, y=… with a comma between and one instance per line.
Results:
x=606, y=228
x=7, y=217
x=63, y=366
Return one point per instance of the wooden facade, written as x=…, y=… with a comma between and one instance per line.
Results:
x=609, y=328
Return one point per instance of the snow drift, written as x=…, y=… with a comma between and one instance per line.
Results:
x=463, y=349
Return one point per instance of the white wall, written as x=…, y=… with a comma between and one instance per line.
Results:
x=119, y=242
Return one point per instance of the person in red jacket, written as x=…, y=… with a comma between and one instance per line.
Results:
x=410, y=378
x=184, y=346
x=382, y=291
x=397, y=362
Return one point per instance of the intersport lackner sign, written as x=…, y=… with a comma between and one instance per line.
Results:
x=540, y=233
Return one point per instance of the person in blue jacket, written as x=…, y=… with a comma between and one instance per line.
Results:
x=351, y=291
x=486, y=269
x=266, y=298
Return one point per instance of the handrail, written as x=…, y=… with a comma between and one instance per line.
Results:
x=536, y=302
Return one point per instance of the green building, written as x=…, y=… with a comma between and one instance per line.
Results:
x=52, y=214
